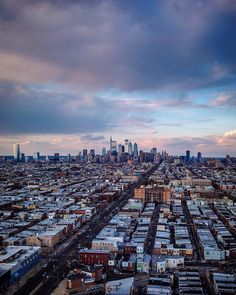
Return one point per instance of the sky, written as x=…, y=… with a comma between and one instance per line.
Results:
x=160, y=73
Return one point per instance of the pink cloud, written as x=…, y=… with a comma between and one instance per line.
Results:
x=224, y=100
x=211, y=145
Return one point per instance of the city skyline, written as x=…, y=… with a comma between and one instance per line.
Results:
x=110, y=146
x=74, y=72
x=117, y=149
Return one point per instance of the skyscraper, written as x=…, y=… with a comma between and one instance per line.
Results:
x=92, y=153
x=36, y=156
x=199, y=156
x=135, y=150
x=110, y=143
x=126, y=145
x=154, y=150
x=141, y=156
x=120, y=151
x=16, y=152
x=104, y=151
x=130, y=149
x=187, y=157
x=113, y=145
x=56, y=157
x=85, y=153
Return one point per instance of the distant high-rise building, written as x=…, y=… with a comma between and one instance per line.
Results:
x=16, y=152
x=36, y=156
x=92, y=153
x=85, y=153
x=153, y=150
x=130, y=148
x=78, y=157
x=135, y=150
x=22, y=157
x=187, y=157
x=28, y=158
x=126, y=145
x=120, y=151
x=199, y=156
x=141, y=156
x=113, y=145
x=104, y=152
x=56, y=156
x=69, y=157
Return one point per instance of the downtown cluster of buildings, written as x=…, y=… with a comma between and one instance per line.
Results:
x=120, y=153
x=116, y=153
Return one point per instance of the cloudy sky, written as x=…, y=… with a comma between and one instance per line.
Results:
x=161, y=73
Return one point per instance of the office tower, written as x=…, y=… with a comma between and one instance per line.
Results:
x=120, y=151
x=85, y=153
x=16, y=152
x=22, y=157
x=36, y=156
x=199, y=156
x=153, y=150
x=104, y=152
x=126, y=145
x=187, y=157
x=130, y=149
x=135, y=150
x=28, y=158
x=92, y=153
x=78, y=157
x=113, y=145
x=157, y=158
x=141, y=156
x=56, y=156
x=69, y=157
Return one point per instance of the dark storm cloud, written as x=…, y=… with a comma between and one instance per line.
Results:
x=32, y=111
x=95, y=46
x=119, y=44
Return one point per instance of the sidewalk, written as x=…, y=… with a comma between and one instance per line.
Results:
x=61, y=288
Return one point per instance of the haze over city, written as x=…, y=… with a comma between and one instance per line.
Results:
x=72, y=73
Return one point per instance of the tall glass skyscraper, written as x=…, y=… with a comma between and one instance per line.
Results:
x=113, y=145
x=135, y=150
x=126, y=145
x=16, y=151
x=187, y=157
x=130, y=148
